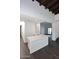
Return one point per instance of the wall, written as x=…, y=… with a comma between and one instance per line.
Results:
x=31, y=28
x=32, y=9
x=37, y=28
x=55, y=28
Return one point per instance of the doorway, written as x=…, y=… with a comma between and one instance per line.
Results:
x=22, y=30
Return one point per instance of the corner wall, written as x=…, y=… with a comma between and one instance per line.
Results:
x=55, y=28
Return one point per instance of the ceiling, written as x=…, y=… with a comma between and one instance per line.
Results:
x=31, y=10
x=52, y=5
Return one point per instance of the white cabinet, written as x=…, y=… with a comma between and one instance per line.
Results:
x=37, y=42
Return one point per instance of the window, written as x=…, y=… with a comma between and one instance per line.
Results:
x=49, y=30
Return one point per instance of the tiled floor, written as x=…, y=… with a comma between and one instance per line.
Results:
x=49, y=52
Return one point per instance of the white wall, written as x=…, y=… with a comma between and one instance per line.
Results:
x=33, y=9
x=31, y=28
x=55, y=28
x=38, y=28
